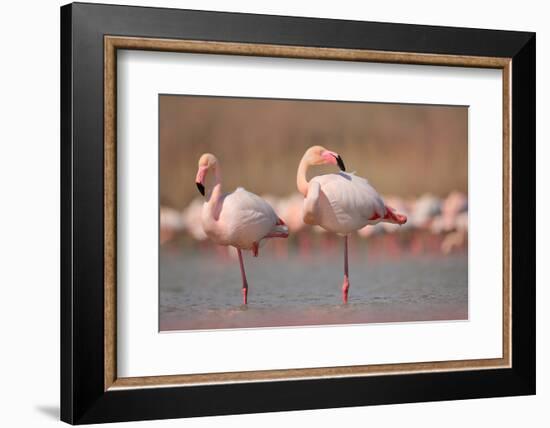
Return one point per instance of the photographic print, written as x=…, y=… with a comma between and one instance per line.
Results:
x=280, y=212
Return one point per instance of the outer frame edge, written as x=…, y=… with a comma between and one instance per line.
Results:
x=523, y=221
x=102, y=409
x=66, y=304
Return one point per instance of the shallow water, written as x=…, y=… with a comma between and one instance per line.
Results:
x=201, y=289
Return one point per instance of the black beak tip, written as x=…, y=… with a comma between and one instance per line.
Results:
x=341, y=163
x=201, y=188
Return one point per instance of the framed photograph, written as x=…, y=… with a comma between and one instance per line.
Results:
x=266, y=213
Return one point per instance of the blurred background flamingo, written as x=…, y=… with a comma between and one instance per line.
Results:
x=423, y=234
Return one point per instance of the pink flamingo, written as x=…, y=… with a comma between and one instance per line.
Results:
x=171, y=223
x=192, y=215
x=340, y=203
x=240, y=218
x=291, y=213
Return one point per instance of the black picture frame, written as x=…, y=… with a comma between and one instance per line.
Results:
x=83, y=398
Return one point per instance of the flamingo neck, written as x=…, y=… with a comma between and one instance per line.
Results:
x=215, y=195
x=301, y=180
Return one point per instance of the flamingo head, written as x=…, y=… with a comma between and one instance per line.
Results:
x=206, y=162
x=318, y=155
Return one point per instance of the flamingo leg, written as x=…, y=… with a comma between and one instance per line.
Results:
x=243, y=275
x=345, y=285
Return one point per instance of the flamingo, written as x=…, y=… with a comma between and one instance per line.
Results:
x=340, y=203
x=171, y=223
x=192, y=215
x=240, y=219
x=291, y=213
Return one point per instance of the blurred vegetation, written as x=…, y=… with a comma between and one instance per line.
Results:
x=403, y=150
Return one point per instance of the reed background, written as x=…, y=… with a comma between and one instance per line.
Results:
x=404, y=150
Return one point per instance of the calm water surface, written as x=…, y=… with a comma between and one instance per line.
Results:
x=202, y=289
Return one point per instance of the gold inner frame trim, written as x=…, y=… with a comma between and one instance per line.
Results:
x=113, y=43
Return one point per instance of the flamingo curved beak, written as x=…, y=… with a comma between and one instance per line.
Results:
x=340, y=163
x=334, y=159
x=199, y=180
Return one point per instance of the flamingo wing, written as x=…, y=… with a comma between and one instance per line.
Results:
x=348, y=202
x=247, y=218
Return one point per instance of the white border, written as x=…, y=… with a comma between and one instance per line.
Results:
x=142, y=351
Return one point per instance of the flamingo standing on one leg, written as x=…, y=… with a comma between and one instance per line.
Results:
x=340, y=202
x=240, y=218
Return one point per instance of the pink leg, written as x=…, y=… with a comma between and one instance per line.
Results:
x=243, y=275
x=345, y=286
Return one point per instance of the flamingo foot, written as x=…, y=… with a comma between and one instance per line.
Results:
x=345, y=291
x=245, y=295
x=255, y=248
